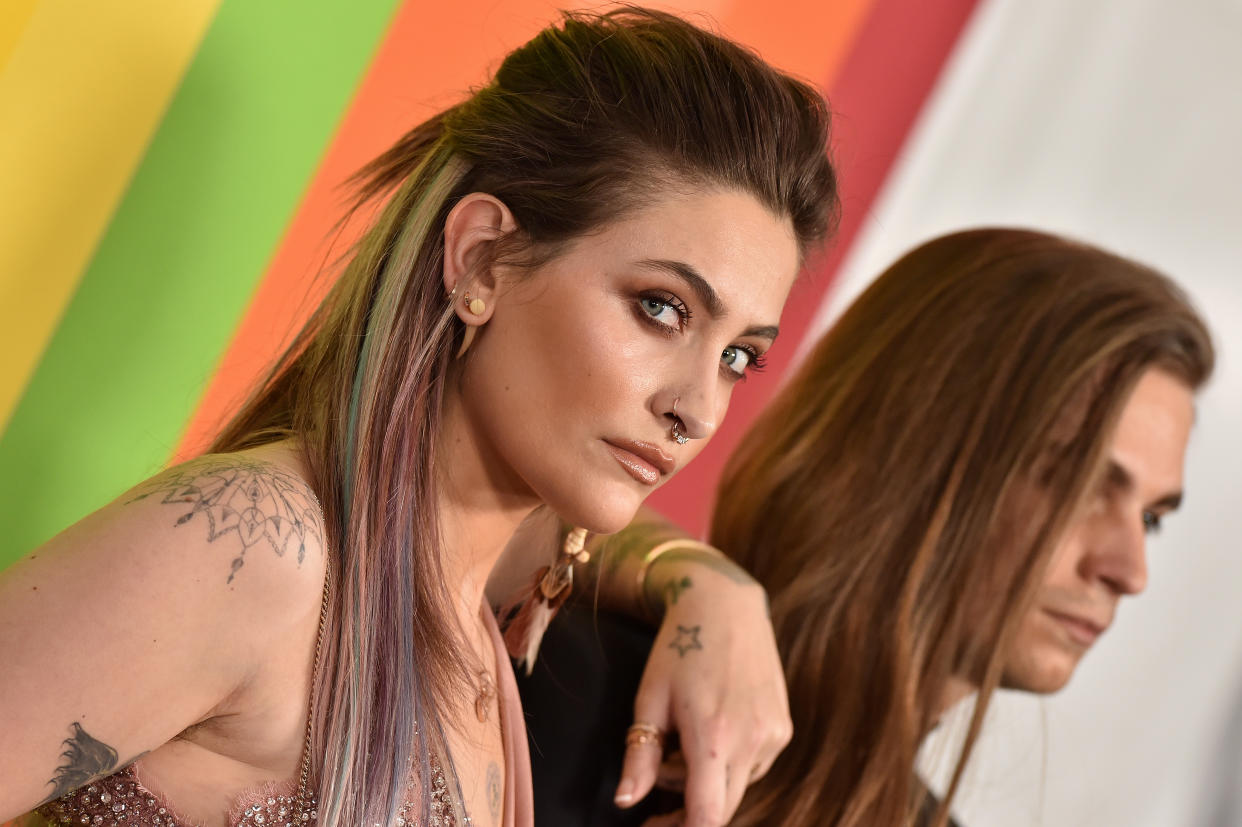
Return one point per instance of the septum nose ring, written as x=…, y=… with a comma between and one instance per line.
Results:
x=677, y=433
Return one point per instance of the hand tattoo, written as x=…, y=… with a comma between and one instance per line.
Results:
x=495, y=794
x=257, y=501
x=686, y=640
x=674, y=588
x=84, y=760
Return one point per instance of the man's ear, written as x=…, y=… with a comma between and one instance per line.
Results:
x=470, y=229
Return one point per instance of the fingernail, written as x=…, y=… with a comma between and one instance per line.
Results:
x=625, y=792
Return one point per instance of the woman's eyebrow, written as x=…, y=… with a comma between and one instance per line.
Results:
x=767, y=331
x=691, y=277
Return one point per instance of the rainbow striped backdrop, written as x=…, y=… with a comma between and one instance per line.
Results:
x=171, y=175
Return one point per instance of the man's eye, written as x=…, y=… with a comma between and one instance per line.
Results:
x=1151, y=522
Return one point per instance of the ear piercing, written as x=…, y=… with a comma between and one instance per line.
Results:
x=476, y=307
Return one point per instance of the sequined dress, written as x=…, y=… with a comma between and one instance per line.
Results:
x=121, y=800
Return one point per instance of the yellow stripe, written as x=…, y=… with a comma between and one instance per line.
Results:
x=80, y=97
x=14, y=15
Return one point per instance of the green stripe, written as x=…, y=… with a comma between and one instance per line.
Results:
x=182, y=257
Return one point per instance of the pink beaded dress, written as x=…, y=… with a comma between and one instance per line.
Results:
x=121, y=799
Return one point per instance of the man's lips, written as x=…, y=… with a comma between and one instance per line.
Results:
x=644, y=461
x=1082, y=630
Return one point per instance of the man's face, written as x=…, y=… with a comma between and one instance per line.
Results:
x=1102, y=556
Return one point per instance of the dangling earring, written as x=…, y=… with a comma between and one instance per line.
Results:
x=475, y=306
x=466, y=339
x=527, y=619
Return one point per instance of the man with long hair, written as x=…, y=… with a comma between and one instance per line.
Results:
x=950, y=495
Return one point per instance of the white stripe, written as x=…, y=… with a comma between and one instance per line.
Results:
x=1120, y=122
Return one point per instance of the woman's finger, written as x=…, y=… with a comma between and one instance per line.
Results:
x=750, y=761
x=644, y=748
x=707, y=756
x=737, y=779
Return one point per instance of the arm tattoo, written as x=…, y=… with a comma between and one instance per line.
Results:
x=257, y=502
x=634, y=541
x=495, y=793
x=85, y=759
x=720, y=565
x=686, y=640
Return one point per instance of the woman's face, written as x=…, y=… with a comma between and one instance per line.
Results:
x=571, y=385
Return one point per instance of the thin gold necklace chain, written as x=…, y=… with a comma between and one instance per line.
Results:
x=483, y=700
x=304, y=776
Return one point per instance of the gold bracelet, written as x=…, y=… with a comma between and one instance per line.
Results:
x=670, y=545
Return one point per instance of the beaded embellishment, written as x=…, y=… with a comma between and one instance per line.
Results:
x=121, y=801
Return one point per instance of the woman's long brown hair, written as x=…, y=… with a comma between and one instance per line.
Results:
x=871, y=497
x=592, y=118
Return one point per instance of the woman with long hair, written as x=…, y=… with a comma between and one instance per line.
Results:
x=949, y=495
x=567, y=274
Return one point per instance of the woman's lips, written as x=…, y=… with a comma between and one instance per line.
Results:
x=645, y=462
x=1082, y=631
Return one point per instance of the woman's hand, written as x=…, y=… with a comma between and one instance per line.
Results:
x=715, y=678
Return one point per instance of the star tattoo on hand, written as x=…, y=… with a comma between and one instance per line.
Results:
x=686, y=640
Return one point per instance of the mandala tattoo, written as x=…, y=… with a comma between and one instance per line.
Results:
x=687, y=639
x=495, y=796
x=84, y=760
x=256, y=501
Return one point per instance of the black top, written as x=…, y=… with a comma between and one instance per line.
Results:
x=579, y=702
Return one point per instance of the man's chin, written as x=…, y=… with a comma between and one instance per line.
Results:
x=1040, y=675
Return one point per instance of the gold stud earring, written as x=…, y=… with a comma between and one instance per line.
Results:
x=476, y=308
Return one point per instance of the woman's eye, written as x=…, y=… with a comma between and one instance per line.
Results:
x=1151, y=522
x=662, y=311
x=737, y=359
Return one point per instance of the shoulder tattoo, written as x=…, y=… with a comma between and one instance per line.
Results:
x=257, y=502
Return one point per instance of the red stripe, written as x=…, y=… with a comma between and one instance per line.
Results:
x=877, y=95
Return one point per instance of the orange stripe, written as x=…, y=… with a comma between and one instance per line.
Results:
x=432, y=48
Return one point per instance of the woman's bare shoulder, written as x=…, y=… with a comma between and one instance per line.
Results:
x=150, y=614
x=251, y=515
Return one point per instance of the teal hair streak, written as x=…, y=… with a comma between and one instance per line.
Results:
x=395, y=272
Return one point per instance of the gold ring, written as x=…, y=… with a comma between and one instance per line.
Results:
x=642, y=734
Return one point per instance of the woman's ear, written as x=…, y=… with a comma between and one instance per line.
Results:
x=470, y=230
